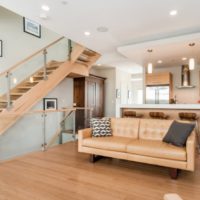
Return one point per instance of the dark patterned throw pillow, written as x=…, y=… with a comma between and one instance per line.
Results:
x=101, y=127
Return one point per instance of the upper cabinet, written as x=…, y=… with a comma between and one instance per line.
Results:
x=159, y=79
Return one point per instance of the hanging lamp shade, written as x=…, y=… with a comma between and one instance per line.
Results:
x=191, y=64
x=150, y=68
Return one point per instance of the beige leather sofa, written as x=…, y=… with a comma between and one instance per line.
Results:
x=140, y=140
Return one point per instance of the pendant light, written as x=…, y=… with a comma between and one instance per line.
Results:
x=150, y=65
x=191, y=60
x=191, y=64
x=149, y=68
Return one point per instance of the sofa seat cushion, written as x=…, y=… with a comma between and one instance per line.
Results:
x=112, y=143
x=156, y=149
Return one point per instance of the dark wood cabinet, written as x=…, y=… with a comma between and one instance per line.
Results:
x=88, y=92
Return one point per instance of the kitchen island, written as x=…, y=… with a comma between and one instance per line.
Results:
x=172, y=110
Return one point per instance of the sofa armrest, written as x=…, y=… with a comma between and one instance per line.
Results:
x=191, y=151
x=82, y=134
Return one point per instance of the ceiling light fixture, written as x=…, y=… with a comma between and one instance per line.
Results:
x=14, y=80
x=102, y=29
x=173, y=12
x=45, y=8
x=150, y=65
x=191, y=64
x=64, y=2
x=160, y=62
x=184, y=58
x=149, y=50
x=87, y=33
x=149, y=68
x=191, y=60
x=31, y=79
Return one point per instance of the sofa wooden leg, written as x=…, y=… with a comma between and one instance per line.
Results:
x=173, y=173
x=94, y=158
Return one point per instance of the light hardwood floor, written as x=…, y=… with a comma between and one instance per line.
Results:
x=61, y=173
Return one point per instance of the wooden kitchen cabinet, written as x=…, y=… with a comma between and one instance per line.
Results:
x=88, y=92
x=159, y=79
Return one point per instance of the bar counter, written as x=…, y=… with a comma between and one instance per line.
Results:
x=164, y=106
x=171, y=110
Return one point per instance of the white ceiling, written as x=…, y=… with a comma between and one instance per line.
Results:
x=129, y=21
x=170, y=51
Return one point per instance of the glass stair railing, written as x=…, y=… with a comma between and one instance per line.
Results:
x=39, y=130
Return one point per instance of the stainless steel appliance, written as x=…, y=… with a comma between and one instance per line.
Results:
x=157, y=94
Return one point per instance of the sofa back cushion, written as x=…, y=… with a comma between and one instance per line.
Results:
x=153, y=129
x=125, y=127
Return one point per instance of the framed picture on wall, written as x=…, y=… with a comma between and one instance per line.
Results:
x=50, y=104
x=32, y=27
x=1, y=48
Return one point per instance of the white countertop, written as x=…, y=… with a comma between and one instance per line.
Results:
x=164, y=106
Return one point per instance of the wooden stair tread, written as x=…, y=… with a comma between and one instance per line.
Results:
x=16, y=94
x=24, y=87
x=52, y=67
x=33, y=82
x=3, y=101
x=42, y=73
x=38, y=76
x=89, y=52
x=82, y=63
x=84, y=58
x=3, y=106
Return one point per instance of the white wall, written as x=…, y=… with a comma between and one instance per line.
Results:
x=27, y=134
x=184, y=95
x=137, y=89
x=123, y=83
x=17, y=44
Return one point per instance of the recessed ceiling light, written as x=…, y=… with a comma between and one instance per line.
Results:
x=45, y=7
x=149, y=50
x=87, y=33
x=173, y=12
x=102, y=29
x=64, y=2
x=160, y=61
x=184, y=58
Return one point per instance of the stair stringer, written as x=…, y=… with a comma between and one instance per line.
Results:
x=79, y=70
x=33, y=96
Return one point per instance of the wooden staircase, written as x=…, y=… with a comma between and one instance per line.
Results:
x=30, y=91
